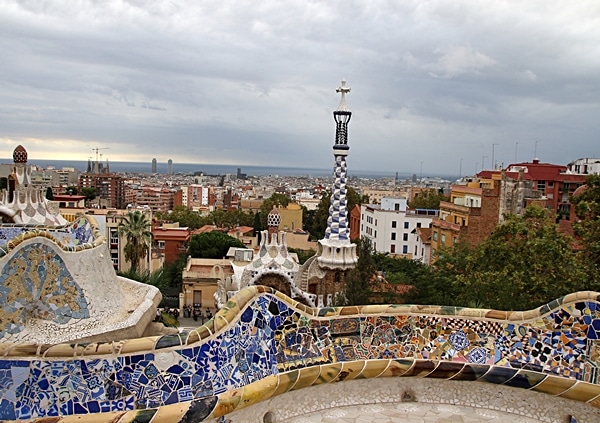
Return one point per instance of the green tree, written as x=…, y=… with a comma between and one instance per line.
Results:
x=319, y=219
x=257, y=224
x=525, y=263
x=173, y=271
x=186, y=217
x=587, y=229
x=49, y=194
x=429, y=199
x=135, y=226
x=358, y=280
x=71, y=190
x=89, y=192
x=213, y=244
x=303, y=255
x=275, y=200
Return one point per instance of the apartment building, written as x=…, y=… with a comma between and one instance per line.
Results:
x=476, y=208
x=391, y=227
x=157, y=199
x=556, y=183
x=585, y=166
x=170, y=241
x=110, y=189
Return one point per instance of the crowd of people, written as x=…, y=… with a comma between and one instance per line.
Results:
x=188, y=312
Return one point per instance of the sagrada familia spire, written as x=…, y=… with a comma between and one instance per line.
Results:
x=335, y=250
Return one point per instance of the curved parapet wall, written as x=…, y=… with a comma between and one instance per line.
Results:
x=263, y=345
x=81, y=234
x=58, y=284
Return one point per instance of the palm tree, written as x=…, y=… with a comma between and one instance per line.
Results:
x=135, y=226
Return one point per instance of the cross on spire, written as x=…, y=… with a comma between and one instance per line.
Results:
x=343, y=89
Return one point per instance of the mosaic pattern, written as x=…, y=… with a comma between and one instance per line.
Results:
x=76, y=235
x=35, y=283
x=263, y=344
x=337, y=222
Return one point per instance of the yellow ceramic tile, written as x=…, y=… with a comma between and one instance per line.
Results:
x=329, y=372
x=350, y=370
x=228, y=401
x=554, y=385
x=307, y=377
x=259, y=391
x=286, y=381
x=138, y=345
x=582, y=391
x=373, y=368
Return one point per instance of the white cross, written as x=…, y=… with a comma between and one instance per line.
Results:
x=343, y=89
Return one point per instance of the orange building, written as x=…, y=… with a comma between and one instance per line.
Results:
x=475, y=209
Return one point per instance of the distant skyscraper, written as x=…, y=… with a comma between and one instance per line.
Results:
x=336, y=250
x=170, y=167
x=153, y=165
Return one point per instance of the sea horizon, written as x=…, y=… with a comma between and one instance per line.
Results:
x=221, y=169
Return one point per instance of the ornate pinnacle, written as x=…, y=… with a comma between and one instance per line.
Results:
x=343, y=89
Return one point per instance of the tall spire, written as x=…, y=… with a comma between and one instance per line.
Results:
x=336, y=251
x=337, y=222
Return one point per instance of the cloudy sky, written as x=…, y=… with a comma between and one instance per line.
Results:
x=438, y=87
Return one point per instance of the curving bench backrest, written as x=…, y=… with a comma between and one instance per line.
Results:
x=263, y=344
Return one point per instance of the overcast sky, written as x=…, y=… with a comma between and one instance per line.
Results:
x=434, y=83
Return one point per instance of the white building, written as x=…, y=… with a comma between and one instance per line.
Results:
x=586, y=166
x=392, y=228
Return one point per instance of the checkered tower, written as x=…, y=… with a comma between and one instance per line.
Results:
x=336, y=251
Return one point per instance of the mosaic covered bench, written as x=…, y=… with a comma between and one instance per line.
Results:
x=263, y=344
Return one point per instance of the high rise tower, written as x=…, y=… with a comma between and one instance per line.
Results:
x=335, y=250
x=170, y=167
x=153, y=165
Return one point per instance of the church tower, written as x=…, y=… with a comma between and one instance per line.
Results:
x=336, y=252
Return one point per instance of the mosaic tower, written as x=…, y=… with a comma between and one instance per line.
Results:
x=335, y=250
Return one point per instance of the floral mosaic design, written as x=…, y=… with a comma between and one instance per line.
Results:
x=35, y=283
x=269, y=335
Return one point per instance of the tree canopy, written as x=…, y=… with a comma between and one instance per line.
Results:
x=526, y=262
x=587, y=209
x=213, y=244
x=428, y=199
x=135, y=226
x=227, y=219
x=358, y=280
x=316, y=221
x=275, y=200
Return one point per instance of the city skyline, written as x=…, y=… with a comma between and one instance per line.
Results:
x=437, y=87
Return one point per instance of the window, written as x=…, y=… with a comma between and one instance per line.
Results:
x=393, y=236
x=393, y=223
x=404, y=237
x=541, y=186
x=443, y=238
x=161, y=245
x=435, y=235
x=405, y=225
x=418, y=224
x=405, y=249
x=393, y=248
